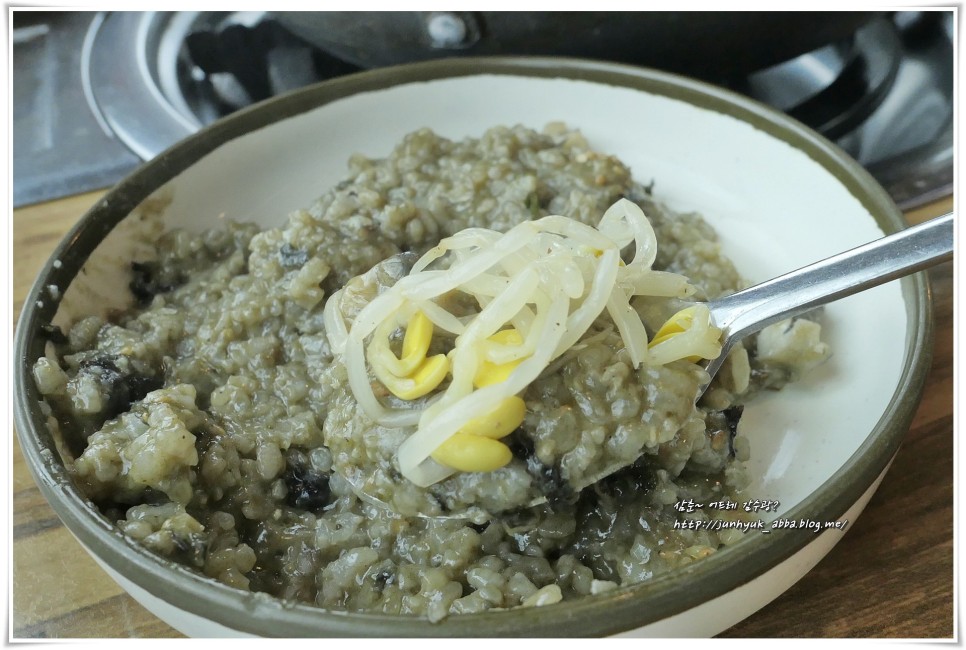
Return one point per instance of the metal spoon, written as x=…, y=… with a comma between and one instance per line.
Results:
x=750, y=310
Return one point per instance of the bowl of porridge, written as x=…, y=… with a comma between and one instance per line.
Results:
x=415, y=353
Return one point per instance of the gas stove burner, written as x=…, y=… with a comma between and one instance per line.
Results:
x=188, y=69
x=204, y=65
x=835, y=88
x=242, y=64
x=881, y=89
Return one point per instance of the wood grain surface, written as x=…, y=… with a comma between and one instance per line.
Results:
x=891, y=576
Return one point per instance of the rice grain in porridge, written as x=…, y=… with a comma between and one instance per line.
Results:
x=213, y=423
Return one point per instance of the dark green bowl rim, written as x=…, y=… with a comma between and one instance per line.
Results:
x=609, y=613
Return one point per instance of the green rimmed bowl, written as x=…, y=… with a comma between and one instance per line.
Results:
x=779, y=195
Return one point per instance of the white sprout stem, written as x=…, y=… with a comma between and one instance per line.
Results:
x=417, y=448
x=334, y=322
x=551, y=279
x=585, y=315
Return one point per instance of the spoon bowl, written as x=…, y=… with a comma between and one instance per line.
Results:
x=747, y=312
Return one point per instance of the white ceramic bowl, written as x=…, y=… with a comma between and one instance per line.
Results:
x=779, y=195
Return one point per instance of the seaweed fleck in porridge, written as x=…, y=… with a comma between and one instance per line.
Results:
x=222, y=422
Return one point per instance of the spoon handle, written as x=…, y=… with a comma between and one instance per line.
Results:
x=866, y=266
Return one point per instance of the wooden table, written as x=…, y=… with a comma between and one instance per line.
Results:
x=890, y=576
